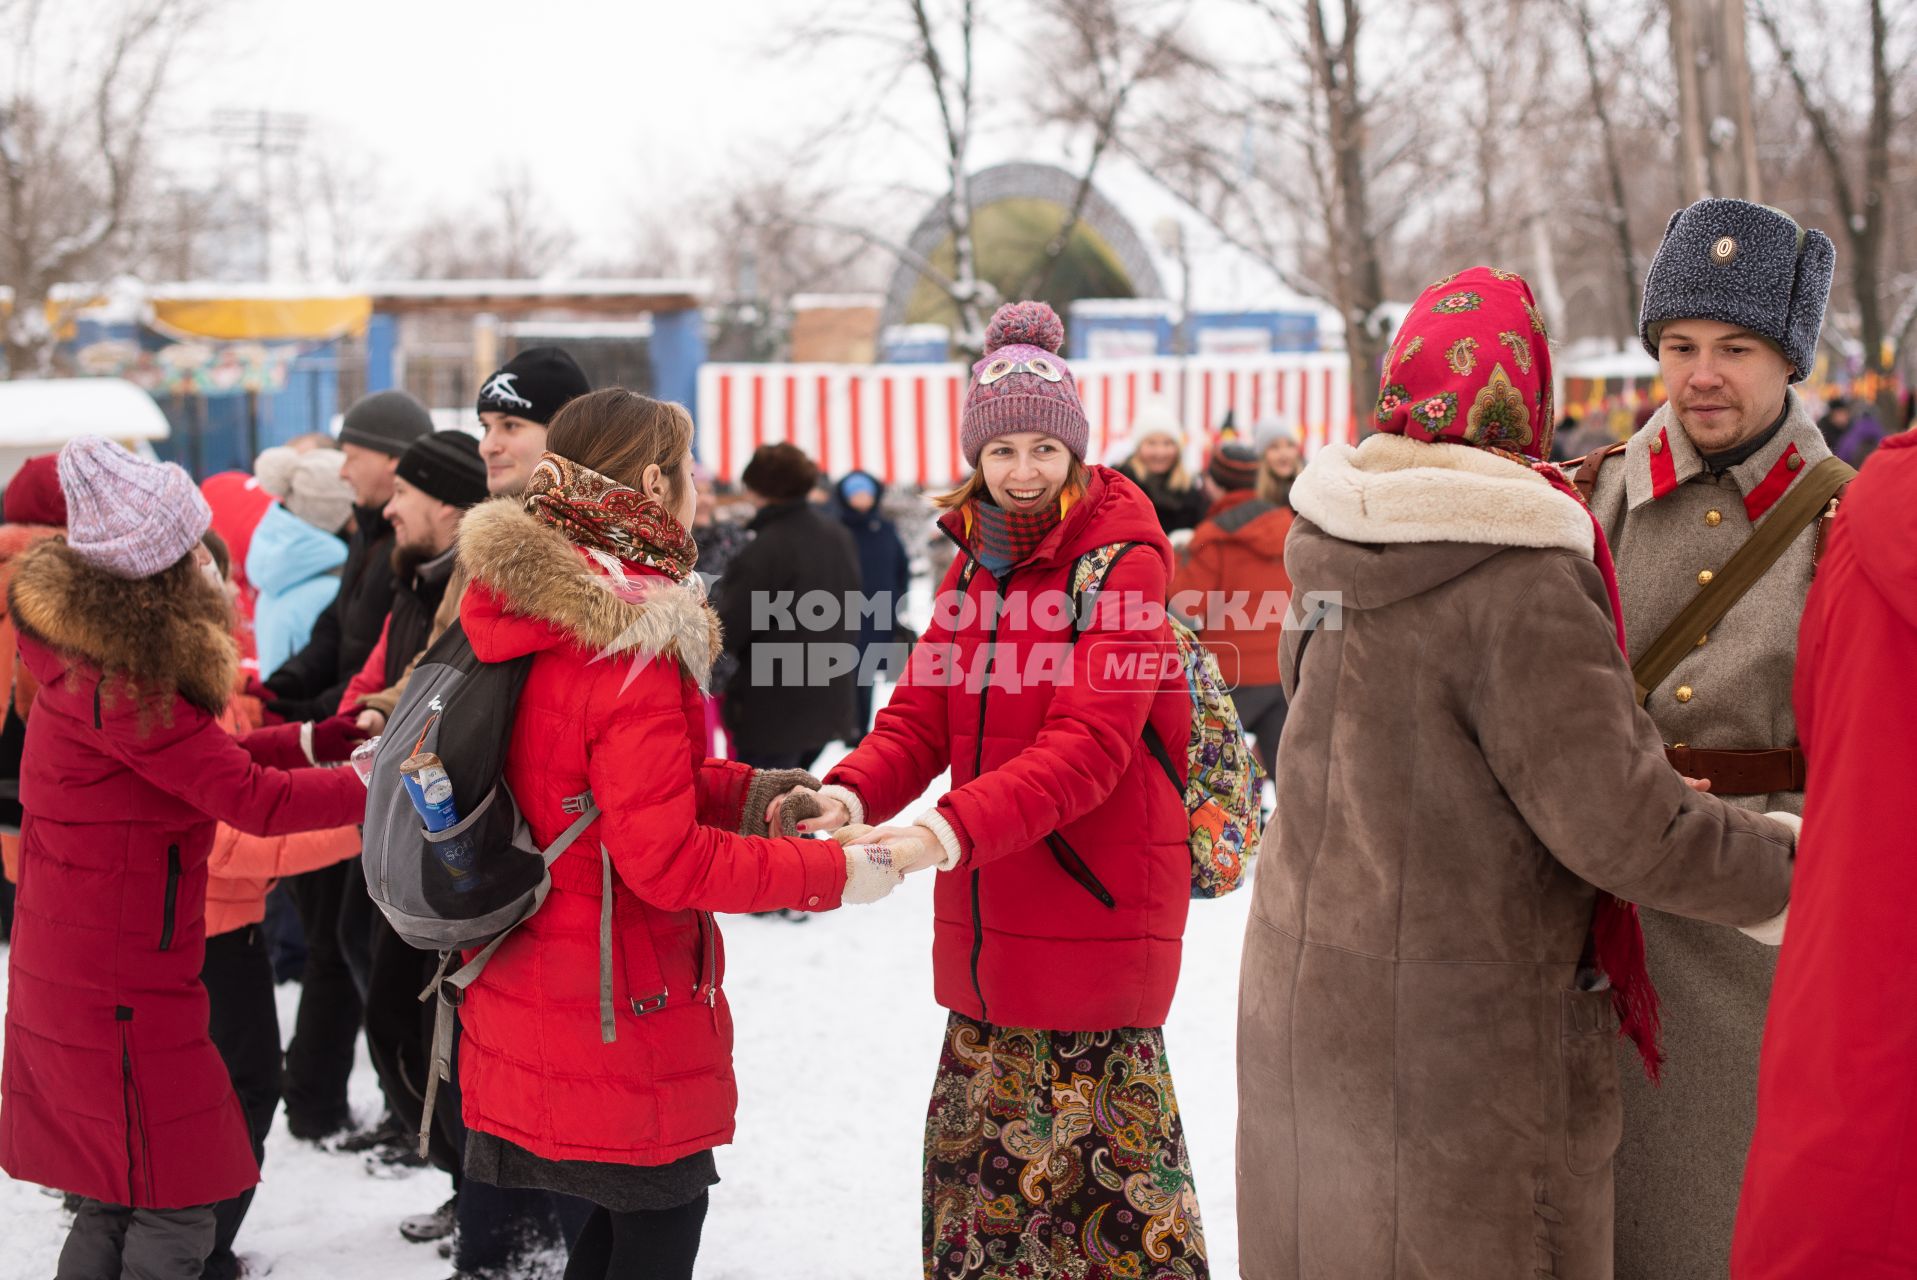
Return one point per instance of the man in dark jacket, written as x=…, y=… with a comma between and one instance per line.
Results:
x=885, y=574
x=795, y=687
x=308, y=686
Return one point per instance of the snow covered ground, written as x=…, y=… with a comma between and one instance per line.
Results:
x=838, y=1038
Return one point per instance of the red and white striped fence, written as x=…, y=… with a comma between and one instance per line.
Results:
x=900, y=421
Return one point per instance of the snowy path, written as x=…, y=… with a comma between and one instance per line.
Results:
x=837, y=1041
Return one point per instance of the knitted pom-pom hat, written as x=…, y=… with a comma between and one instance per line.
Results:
x=125, y=515
x=1020, y=384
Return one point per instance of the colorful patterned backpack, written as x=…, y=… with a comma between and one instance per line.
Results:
x=1221, y=786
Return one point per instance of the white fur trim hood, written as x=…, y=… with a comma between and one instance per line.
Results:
x=1392, y=489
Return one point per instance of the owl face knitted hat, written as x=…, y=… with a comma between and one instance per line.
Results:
x=125, y=515
x=1744, y=264
x=1471, y=364
x=1020, y=384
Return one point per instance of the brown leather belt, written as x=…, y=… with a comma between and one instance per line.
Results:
x=1742, y=773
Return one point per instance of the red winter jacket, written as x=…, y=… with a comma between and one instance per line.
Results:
x=533, y=1067
x=1830, y=1187
x=1067, y=910
x=110, y=1087
x=1233, y=581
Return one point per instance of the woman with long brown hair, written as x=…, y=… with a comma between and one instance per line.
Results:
x=591, y=573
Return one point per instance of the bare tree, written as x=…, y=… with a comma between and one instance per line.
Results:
x=1110, y=50
x=334, y=193
x=1863, y=193
x=1617, y=211
x=513, y=238
x=76, y=150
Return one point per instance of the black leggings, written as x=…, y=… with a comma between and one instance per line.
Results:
x=653, y=1244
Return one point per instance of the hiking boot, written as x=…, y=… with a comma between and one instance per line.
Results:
x=389, y=1132
x=424, y=1228
x=393, y=1162
x=320, y=1129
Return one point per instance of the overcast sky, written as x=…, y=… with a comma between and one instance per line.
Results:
x=609, y=104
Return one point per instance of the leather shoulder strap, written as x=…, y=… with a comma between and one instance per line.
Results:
x=1588, y=467
x=1804, y=503
x=1824, y=524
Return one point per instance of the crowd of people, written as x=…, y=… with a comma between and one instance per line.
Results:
x=1548, y=770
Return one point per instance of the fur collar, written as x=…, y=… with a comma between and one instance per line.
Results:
x=166, y=634
x=1392, y=489
x=539, y=574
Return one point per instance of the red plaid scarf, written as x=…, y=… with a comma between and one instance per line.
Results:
x=1001, y=538
x=599, y=513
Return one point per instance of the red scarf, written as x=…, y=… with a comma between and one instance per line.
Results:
x=599, y=513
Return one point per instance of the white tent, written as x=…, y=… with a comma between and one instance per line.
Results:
x=39, y=415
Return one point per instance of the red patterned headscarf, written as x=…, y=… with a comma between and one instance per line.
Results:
x=600, y=514
x=1472, y=365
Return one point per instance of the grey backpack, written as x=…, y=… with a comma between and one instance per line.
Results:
x=469, y=886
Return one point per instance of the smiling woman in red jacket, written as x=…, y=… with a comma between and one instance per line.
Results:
x=591, y=575
x=111, y=1087
x=1054, y=1145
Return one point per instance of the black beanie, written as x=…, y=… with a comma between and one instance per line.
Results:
x=387, y=421
x=780, y=473
x=534, y=385
x=446, y=465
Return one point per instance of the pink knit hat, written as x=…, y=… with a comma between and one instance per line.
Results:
x=1021, y=385
x=125, y=515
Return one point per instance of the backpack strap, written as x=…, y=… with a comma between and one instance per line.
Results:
x=1085, y=598
x=449, y=989
x=1316, y=620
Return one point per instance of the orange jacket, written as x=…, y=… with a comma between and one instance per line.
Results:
x=242, y=869
x=1233, y=576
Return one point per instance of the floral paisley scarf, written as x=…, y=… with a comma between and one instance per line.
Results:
x=600, y=514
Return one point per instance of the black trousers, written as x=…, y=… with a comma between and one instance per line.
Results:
x=657, y=1244
x=399, y=1039
x=320, y=1057
x=245, y=1028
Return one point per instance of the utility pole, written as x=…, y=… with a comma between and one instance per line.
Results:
x=1717, y=135
x=266, y=134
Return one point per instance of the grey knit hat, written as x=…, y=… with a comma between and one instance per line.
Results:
x=1743, y=264
x=388, y=421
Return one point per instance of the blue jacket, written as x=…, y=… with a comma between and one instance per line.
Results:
x=883, y=564
x=296, y=569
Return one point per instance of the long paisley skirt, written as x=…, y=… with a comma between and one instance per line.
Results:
x=1057, y=1155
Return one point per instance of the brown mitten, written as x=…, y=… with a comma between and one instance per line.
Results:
x=769, y=783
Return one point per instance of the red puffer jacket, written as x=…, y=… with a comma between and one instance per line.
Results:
x=111, y=1088
x=1067, y=910
x=533, y=1068
x=1829, y=1188
x=1233, y=581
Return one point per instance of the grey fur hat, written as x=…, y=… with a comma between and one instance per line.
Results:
x=1744, y=264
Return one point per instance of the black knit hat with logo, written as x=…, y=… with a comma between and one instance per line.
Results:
x=534, y=385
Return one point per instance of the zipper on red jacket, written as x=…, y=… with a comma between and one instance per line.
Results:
x=172, y=896
x=129, y=1101
x=978, y=760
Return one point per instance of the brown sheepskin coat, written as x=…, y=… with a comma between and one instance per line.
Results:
x=1427, y=1085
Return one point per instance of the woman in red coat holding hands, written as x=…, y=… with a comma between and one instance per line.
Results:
x=111, y=1087
x=591, y=574
x=1054, y=1145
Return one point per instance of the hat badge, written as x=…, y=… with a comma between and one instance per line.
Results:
x=1724, y=251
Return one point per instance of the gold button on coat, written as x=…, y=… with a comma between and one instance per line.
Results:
x=1796, y=463
x=1684, y=693
x=1713, y=518
x=1704, y=578
x=1657, y=445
